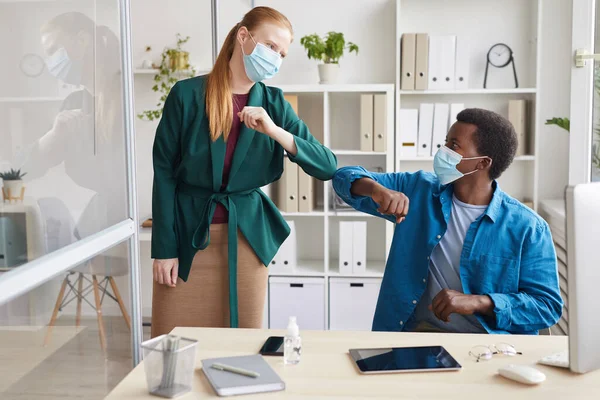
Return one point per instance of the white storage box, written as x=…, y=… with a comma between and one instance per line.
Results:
x=303, y=298
x=352, y=303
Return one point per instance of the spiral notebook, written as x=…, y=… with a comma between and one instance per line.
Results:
x=227, y=383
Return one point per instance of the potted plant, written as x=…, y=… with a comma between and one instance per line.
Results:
x=174, y=65
x=13, y=184
x=329, y=50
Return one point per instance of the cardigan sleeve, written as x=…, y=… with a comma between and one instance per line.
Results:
x=166, y=157
x=313, y=157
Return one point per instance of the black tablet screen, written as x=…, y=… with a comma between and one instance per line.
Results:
x=403, y=358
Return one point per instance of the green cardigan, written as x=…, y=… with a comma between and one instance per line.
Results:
x=188, y=172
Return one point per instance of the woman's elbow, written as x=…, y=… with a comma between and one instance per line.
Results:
x=329, y=169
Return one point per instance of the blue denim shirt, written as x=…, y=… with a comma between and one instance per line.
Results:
x=507, y=254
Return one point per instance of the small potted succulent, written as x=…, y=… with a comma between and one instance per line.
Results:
x=13, y=184
x=329, y=50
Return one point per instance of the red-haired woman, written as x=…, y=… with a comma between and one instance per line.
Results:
x=221, y=138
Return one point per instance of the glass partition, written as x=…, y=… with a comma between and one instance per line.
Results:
x=596, y=103
x=61, y=125
x=69, y=323
x=54, y=344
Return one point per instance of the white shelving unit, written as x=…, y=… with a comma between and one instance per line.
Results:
x=153, y=71
x=332, y=114
x=30, y=99
x=469, y=92
x=518, y=158
x=514, y=22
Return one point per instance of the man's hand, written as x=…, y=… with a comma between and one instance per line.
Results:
x=448, y=301
x=390, y=202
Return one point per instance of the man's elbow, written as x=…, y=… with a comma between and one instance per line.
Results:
x=556, y=310
x=340, y=181
x=338, y=175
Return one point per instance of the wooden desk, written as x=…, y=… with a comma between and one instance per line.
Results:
x=326, y=370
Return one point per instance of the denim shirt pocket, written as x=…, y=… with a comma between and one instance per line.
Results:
x=493, y=274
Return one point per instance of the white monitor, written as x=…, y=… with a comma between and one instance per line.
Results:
x=583, y=252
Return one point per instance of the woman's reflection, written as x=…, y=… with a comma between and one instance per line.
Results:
x=87, y=134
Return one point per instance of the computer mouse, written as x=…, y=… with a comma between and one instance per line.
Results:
x=523, y=374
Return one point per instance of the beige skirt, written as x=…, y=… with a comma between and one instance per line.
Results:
x=203, y=301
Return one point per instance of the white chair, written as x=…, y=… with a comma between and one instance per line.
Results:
x=60, y=231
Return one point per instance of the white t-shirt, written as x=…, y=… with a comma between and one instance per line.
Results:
x=444, y=270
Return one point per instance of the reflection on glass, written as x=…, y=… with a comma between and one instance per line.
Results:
x=53, y=343
x=61, y=124
x=596, y=104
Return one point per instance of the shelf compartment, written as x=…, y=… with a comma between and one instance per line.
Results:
x=467, y=92
x=305, y=268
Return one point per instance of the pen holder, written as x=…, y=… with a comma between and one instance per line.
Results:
x=169, y=362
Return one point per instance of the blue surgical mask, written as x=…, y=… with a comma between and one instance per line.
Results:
x=62, y=67
x=445, y=162
x=263, y=63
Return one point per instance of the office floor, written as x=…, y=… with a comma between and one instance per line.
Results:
x=73, y=366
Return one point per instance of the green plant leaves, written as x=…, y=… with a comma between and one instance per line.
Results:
x=314, y=45
x=12, y=175
x=329, y=49
x=564, y=123
x=165, y=78
x=334, y=47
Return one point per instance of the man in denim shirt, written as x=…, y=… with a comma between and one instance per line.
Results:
x=467, y=257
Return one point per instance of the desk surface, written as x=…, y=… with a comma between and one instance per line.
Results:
x=326, y=370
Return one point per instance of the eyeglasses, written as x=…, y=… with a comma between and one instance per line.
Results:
x=485, y=353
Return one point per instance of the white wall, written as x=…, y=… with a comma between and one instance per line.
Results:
x=554, y=94
x=368, y=23
x=156, y=22
x=483, y=23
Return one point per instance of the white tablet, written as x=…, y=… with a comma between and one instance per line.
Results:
x=404, y=359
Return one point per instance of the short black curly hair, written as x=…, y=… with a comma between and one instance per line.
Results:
x=495, y=137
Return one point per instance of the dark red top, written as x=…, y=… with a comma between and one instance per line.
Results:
x=239, y=102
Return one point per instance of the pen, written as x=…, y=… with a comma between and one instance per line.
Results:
x=235, y=370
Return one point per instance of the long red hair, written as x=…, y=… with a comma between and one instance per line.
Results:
x=219, y=102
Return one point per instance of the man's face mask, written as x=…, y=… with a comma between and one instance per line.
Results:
x=445, y=162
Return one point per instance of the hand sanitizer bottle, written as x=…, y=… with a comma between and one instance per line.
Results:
x=292, y=344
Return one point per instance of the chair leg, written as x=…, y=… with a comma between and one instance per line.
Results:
x=115, y=290
x=99, y=312
x=79, y=299
x=59, y=300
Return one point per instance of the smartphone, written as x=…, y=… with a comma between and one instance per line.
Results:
x=273, y=346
